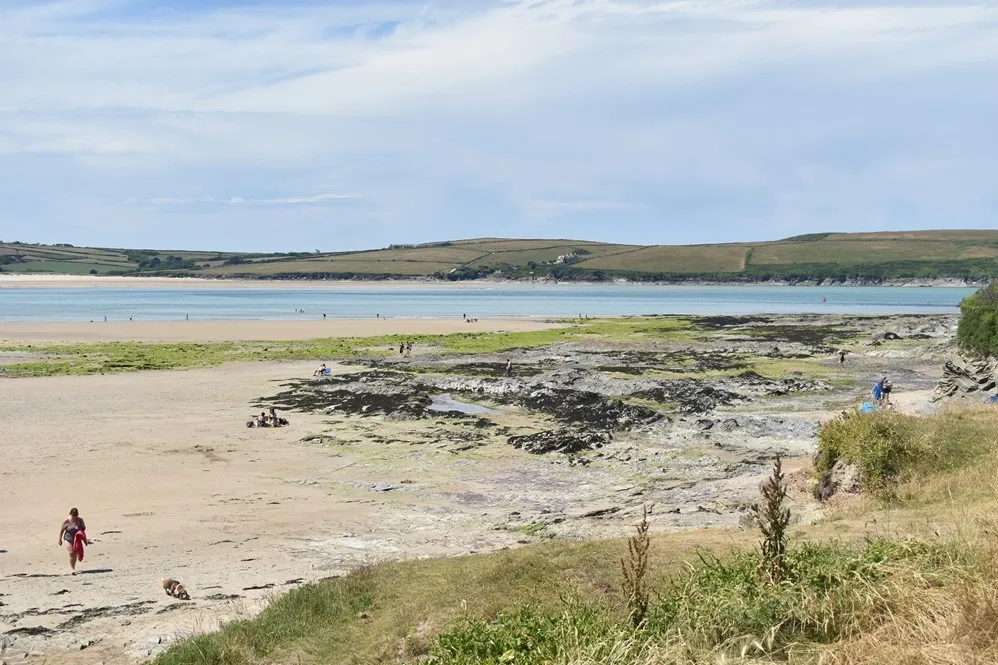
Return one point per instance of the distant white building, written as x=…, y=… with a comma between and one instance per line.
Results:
x=566, y=258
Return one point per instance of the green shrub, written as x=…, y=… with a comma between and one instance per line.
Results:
x=978, y=329
x=892, y=447
x=882, y=445
x=525, y=635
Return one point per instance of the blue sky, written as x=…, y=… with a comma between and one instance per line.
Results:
x=351, y=124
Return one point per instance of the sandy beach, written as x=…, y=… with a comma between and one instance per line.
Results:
x=170, y=483
x=231, y=331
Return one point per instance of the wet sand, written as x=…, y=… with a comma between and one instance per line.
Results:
x=219, y=331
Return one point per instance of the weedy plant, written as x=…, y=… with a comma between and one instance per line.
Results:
x=635, y=571
x=773, y=519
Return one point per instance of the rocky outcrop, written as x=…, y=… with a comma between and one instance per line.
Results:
x=959, y=380
x=842, y=478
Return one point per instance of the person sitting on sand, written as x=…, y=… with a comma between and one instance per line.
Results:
x=322, y=371
x=261, y=421
x=274, y=420
x=67, y=535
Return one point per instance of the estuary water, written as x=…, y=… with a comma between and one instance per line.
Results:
x=340, y=301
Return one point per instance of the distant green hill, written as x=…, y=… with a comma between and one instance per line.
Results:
x=824, y=256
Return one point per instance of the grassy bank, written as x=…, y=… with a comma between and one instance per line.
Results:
x=924, y=590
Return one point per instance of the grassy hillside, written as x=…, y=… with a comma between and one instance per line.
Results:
x=825, y=256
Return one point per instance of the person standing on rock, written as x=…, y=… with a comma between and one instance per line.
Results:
x=509, y=368
x=71, y=526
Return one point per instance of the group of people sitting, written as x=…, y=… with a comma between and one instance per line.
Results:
x=267, y=420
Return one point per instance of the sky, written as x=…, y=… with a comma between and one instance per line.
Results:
x=347, y=124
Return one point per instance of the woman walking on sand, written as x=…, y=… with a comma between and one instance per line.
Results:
x=71, y=526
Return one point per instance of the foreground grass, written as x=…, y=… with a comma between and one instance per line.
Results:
x=394, y=611
x=925, y=591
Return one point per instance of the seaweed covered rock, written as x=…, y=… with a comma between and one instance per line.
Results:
x=691, y=396
x=563, y=440
x=587, y=408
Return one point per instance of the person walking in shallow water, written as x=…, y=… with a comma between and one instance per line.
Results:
x=67, y=535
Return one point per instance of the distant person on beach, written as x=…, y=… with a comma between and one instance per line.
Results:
x=842, y=357
x=509, y=368
x=323, y=315
x=878, y=391
x=886, y=387
x=322, y=371
x=71, y=526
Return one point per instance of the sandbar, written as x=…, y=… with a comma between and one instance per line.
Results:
x=231, y=331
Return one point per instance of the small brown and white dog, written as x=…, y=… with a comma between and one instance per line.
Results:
x=175, y=589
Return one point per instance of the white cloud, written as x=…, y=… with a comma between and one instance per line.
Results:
x=326, y=197
x=665, y=119
x=548, y=207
